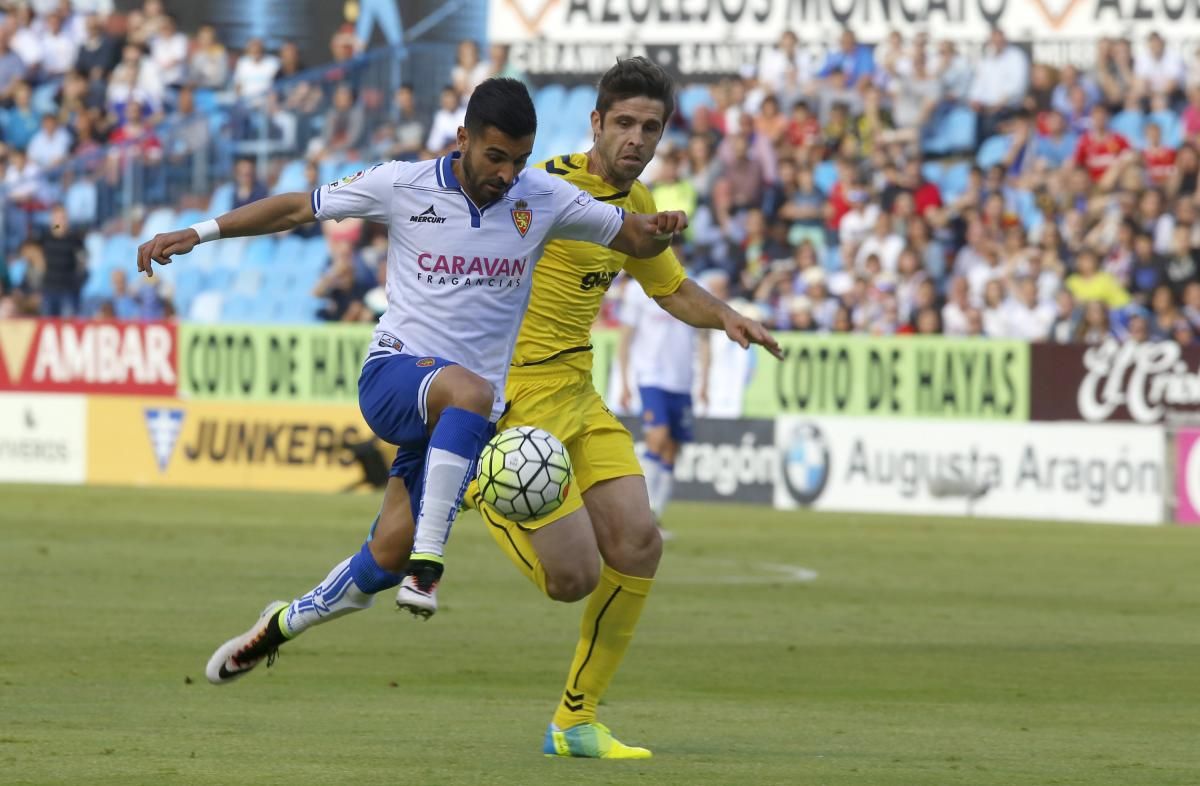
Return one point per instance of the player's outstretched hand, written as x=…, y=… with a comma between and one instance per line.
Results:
x=162, y=247
x=668, y=222
x=745, y=332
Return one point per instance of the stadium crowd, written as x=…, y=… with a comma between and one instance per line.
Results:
x=889, y=189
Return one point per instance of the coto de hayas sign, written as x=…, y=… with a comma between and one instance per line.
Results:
x=1144, y=382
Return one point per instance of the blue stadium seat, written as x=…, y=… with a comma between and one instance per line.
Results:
x=1172, y=128
x=160, y=220
x=240, y=308
x=992, y=151
x=581, y=100
x=316, y=253
x=825, y=176
x=692, y=98
x=206, y=101
x=16, y=271
x=954, y=180
x=955, y=133
x=44, y=100
x=94, y=243
x=207, y=307
x=549, y=100
x=80, y=202
x=291, y=178
x=222, y=199
x=1129, y=125
x=832, y=260
x=260, y=252
x=288, y=249
x=247, y=282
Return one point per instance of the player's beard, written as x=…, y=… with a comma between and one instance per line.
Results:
x=479, y=186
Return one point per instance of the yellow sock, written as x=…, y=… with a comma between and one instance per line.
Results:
x=605, y=631
x=513, y=541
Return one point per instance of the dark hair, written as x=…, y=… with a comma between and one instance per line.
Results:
x=503, y=104
x=635, y=77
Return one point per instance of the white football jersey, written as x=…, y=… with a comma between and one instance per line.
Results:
x=459, y=275
x=664, y=349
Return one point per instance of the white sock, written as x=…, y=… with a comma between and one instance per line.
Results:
x=335, y=596
x=662, y=492
x=446, y=478
x=654, y=472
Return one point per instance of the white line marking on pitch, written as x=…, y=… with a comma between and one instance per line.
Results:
x=755, y=573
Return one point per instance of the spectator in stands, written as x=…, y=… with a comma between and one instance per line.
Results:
x=344, y=122
x=290, y=63
x=953, y=71
x=51, y=145
x=247, y=187
x=98, y=49
x=65, y=271
x=1000, y=83
x=60, y=48
x=19, y=123
x=468, y=70
x=25, y=41
x=1099, y=148
x=881, y=242
x=1027, y=317
x=340, y=288
x=1158, y=70
x=169, y=52
x=136, y=135
x=255, y=71
x=1115, y=71
x=444, y=131
x=1055, y=145
x=849, y=66
x=1089, y=282
x=914, y=98
x=1095, y=326
x=785, y=63
x=12, y=69
x=133, y=82
x=208, y=65
x=403, y=136
x=1182, y=263
x=500, y=63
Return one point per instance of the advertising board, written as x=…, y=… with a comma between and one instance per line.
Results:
x=1070, y=471
x=193, y=444
x=905, y=377
x=76, y=356
x=43, y=439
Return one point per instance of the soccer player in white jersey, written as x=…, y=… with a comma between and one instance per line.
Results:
x=658, y=353
x=464, y=233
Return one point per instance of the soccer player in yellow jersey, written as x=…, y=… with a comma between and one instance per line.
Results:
x=603, y=543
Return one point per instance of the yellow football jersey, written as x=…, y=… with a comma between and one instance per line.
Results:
x=571, y=278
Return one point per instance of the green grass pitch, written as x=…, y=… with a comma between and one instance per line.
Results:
x=924, y=652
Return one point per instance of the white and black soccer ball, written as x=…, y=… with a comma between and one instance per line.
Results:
x=524, y=473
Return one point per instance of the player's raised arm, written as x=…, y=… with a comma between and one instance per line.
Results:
x=646, y=235
x=263, y=217
x=692, y=304
x=366, y=194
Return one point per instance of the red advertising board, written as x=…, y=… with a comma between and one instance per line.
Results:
x=76, y=356
x=1147, y=382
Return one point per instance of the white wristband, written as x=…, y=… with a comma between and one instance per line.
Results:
x=207, y=230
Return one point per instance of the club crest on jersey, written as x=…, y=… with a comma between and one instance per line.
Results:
x=522, y=219
x=424, y=362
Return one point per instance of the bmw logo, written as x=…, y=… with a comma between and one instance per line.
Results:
x=806, y=463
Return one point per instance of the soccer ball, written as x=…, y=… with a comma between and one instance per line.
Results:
x=524, y=473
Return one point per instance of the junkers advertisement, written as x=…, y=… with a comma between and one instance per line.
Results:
x=1069, y=471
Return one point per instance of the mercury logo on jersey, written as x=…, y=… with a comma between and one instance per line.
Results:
x=602, y=279
x=428, y=216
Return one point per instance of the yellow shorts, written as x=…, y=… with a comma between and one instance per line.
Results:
x=564, y=402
